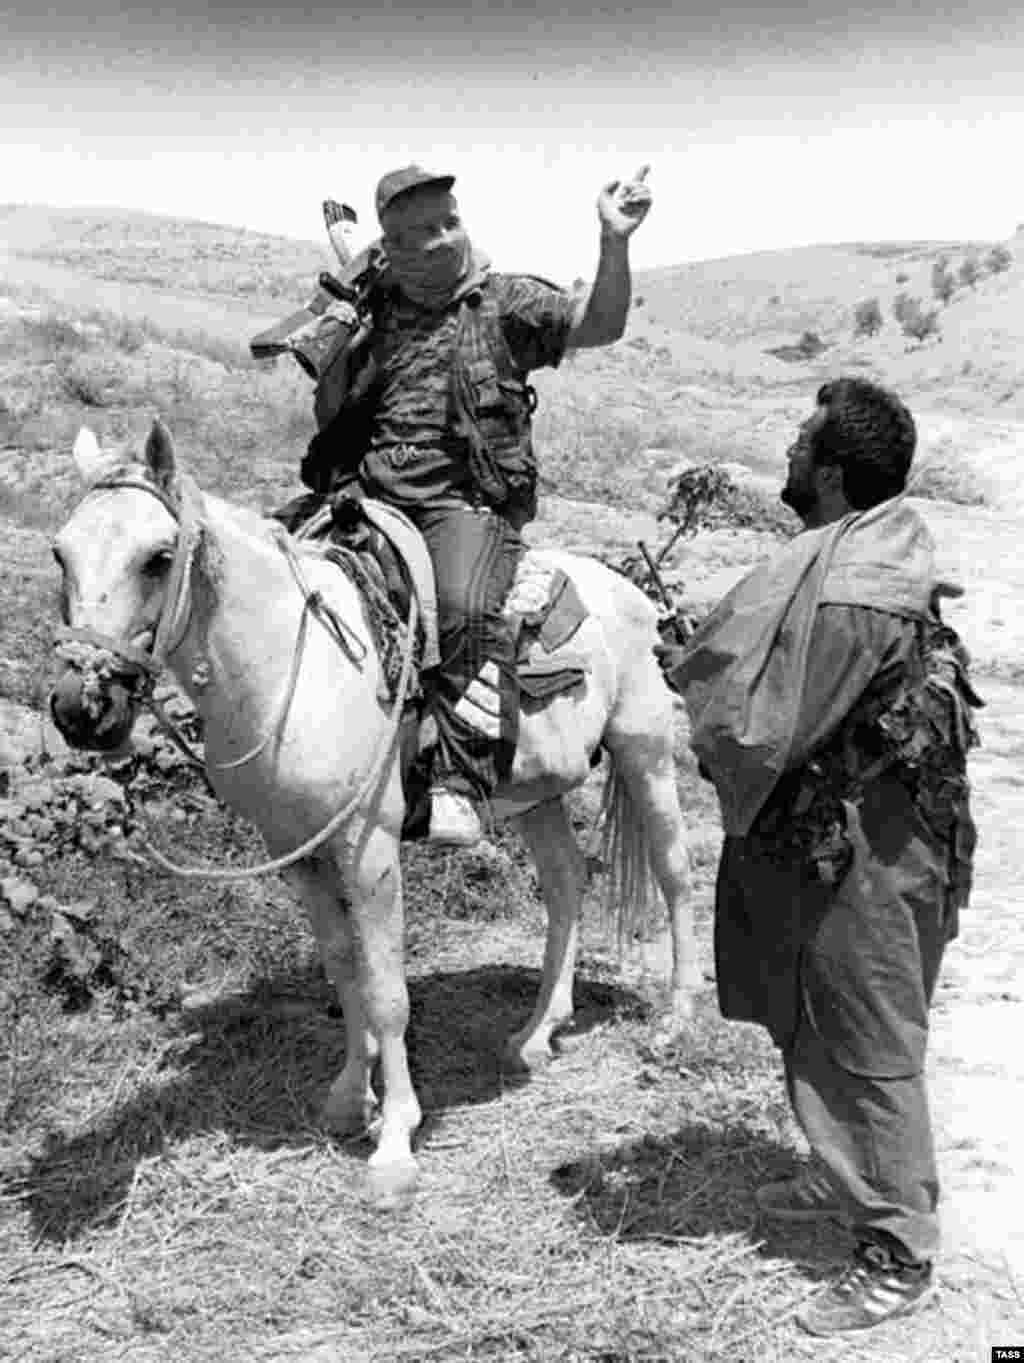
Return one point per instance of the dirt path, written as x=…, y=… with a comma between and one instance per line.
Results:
x=977, y=1045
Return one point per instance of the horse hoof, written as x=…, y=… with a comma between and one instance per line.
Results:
x=345, y=1119
x=682, y=1006
x=672, y=1025
x=391, y=1186
x=527, y=1059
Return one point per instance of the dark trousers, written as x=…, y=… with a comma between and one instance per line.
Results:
x=875, y=1138
x=855, y=1066
x=843, y=978
x=474, y=552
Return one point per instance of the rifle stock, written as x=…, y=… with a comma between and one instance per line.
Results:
x=316, y=335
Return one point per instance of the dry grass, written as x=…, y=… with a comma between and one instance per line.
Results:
x=183, y=1201
x=167, y=1192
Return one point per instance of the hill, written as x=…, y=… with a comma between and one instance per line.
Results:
x=112, y=315
x=162, y=1143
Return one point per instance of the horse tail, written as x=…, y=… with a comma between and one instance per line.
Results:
x=630, y=894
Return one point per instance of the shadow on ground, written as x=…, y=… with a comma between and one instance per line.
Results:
x=696, y=1184
x=258, y=1066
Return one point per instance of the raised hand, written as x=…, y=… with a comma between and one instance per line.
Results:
x=622, y=206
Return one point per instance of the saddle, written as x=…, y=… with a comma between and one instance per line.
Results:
x=384, y=554
x=381, y=548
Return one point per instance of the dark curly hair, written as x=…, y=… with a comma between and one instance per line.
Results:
x=870, y=434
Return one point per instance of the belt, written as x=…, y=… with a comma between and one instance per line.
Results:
x=400, y=453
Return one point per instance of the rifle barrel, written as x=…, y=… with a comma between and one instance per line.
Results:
x=655, y=575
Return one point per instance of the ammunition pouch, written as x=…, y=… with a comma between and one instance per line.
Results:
x=492, y=410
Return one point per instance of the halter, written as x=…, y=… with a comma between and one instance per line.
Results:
x=173, y=622
x=116, y=657
x=144, y=666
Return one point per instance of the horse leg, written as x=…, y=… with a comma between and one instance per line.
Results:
x=351, y=1102
x=549, y=835
x=643, y=756
x=374, y=884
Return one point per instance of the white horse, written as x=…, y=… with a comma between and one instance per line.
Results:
x=297, y=739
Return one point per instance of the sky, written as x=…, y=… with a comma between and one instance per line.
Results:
x=765, y=126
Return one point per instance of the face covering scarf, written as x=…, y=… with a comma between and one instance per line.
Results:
x=431, y=275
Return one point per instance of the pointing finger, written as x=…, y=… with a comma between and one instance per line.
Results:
x=641, y=174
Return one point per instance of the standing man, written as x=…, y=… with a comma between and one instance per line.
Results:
x=432, y=413
x=831, y=708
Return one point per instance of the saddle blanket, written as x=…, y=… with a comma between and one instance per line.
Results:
x=544, y=611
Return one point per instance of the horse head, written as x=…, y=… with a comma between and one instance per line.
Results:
x=120, y=555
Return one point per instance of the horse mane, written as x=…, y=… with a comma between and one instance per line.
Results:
x=210, y=559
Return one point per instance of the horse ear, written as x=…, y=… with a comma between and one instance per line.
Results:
x=159, y=455
x=89, y=459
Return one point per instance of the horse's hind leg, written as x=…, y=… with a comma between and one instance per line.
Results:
x=351, y=1102
x=640, y=741
x=549, y=835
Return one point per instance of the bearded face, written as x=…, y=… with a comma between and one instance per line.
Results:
x=801, y=491
x=427, y=246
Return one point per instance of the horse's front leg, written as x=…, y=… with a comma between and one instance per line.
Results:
x=549, y=835
x=374, y=885
x=351, y=1102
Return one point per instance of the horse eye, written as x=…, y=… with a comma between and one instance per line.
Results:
x=157, y=564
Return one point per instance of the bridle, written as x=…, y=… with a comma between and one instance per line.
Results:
x=173, y=622
x=136, y=666
x=140, y=667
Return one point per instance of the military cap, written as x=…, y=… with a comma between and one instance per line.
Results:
x=398, y=182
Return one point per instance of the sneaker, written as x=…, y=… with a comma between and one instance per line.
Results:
x=808, y=1196
x=454, y=821
x=876, y=1287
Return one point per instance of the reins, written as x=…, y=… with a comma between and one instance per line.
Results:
x=313, y=605
x=376, y=769
x=171, y=628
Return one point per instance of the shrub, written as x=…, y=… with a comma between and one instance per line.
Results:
x=93, y=379
x=809, y=347
x=901, y=304
x=867, y=317
x=998, y=259
x=970, y=271
x=705, y=497
x=943, y=282
x=920, y=324
x=914, y=320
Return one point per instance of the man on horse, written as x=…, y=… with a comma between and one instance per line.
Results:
x=432, y=414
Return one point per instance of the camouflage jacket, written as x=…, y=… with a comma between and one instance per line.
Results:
x=436, y=403
x=915, y=725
